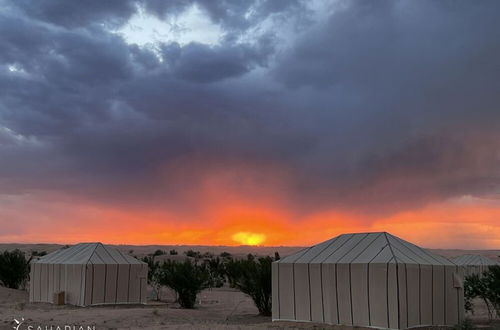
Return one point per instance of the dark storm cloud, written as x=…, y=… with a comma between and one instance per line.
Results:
x=75, y=14
x=387, y=105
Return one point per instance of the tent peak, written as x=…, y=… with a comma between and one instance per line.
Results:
x=367, y=247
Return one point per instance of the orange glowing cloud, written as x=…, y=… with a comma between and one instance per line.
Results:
x=228, y=215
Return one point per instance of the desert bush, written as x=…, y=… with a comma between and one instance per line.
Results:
x=14, y=269
x=158, y=253
x=154, y=274
x=252, y=277
x=186, y=278
x=226, y=255
x=491, y=280
x=216, y=272
x=173, y=252
x=485, y=287
x=193, y=254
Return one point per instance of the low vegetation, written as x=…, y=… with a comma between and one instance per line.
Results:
x=485, y=287
x=154, y=275
x=14, y=269
x=253, y=277
x=186, y=278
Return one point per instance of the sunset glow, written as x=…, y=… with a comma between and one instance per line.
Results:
x=246, y=238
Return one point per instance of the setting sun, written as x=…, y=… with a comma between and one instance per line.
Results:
x=246, y=238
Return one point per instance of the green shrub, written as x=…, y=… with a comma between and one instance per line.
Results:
x=485, y=287
x=253, y=277
x=216, y=272
x=154, y=275
x=158, y=253
x=186, y=278
x=193, y=254
x=14, y=269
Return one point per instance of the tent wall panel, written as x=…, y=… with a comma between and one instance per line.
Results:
x=392, y=295
x=316, y=292
x=134, y=289
x=413, y=291
x=344, y=294
x=44, y=278
x=89, y=284
x=461, y=311
x=359, y=292
x=329, y=280
x=378, y=295
x=32, y=286
x=111, y=283
x=144, y=283
x=98, y=283
x=50, y=284
x=302, y=295
x=122, y=285
x=287, y=295
x=275, y=292
x=451, y=297
x=403, y=296
x=426, y=294
x=83, y=275
x=63, y=277
x=438, y=295
x=73, y=285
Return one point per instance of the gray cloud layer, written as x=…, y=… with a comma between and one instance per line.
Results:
x=377, y=106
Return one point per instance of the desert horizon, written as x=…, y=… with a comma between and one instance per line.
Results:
x=141, y=250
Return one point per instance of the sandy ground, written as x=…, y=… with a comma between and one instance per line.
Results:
x=217, y=309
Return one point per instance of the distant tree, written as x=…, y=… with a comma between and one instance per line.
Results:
x=130, y=251
x=14, y=269
x=253, y=277
x=35, y=253
x=173, y=252
x=186, y=278
x=207, y=255
x=226, y=255
x=277, y=256
x=158, y=253
x=193, y=254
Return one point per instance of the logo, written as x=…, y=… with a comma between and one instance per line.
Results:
x=28, y=326
x=16, y=327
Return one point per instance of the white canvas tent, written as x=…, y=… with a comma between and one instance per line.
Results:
x=89, y=274
x=367, y=279
x=475, y=264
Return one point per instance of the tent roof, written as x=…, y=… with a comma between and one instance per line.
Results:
x=475, y=260
x=88, y=253
x=379, y=247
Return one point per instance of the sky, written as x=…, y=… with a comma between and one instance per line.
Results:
x=281, y=122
